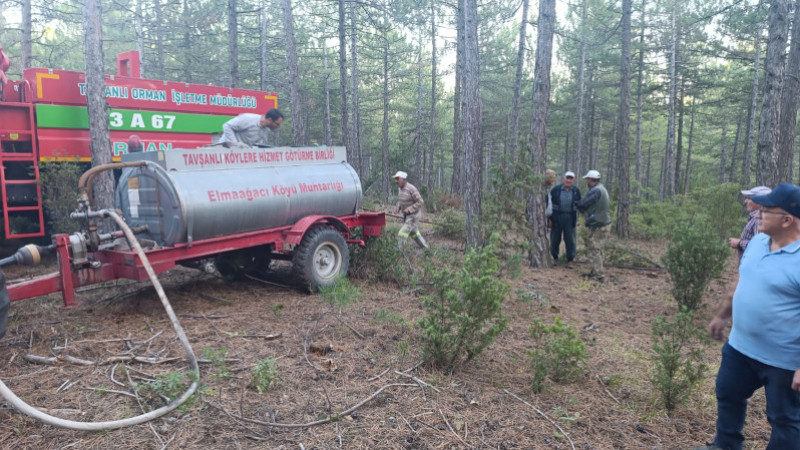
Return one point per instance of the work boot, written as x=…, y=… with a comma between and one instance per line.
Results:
x=421, y=241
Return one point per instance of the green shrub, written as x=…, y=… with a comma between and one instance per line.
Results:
x=59, y=182
x=452, y=224
x=694, y=256
x=216, y=356
x=170, y=385
x=559, y=353
x=381, y=260
x=463, y=315
x=265, y=375
x=341, y=293
x=678, y=365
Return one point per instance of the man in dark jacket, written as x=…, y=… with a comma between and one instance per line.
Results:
x=596, y=206
x=564, y=197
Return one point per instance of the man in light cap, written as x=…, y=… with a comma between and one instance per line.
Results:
x=763, y=348
x=565, y=217
x=410, y=204
x=751, y=228
x=596, y=207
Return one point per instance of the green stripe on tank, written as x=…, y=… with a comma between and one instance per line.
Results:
x=76, y=117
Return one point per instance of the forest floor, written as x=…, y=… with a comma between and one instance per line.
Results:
x=329, y=360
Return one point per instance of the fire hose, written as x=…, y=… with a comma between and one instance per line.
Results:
x=29, y=410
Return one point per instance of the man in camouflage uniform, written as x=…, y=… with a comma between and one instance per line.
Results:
x=410, y=204
x=596, y=207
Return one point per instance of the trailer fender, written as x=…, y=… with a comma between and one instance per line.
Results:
x=4, y=302
x=299, y=229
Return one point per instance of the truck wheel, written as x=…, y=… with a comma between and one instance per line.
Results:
x=4, y=302
x=321, y=257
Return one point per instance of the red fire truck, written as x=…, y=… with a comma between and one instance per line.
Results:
x=43, y=117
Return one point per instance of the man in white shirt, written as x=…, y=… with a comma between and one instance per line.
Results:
x=251, y=129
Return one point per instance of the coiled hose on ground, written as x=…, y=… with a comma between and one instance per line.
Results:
x=25, y=408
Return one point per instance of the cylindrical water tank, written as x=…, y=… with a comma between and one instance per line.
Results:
x=182, y=206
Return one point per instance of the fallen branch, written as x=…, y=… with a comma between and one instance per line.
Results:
x=380, y=374
x=54, y=360
x=543, y=415
x=416, y=380
x=329, y=419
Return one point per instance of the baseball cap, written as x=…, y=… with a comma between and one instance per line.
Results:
x=569, y=174
x=758, y=190
x=785, y=196
x=593, y=174
x=400, y=174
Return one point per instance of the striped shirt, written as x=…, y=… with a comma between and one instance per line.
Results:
x=750, y=230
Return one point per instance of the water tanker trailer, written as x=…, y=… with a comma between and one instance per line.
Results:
x=231, y=210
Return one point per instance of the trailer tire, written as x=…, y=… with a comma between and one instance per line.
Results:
x=4, y=302
x=321, y=257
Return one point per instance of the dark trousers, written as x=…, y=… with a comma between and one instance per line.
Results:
x=562, y=224
x=739, y=376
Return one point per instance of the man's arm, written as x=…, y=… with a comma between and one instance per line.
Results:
x=591, y=198
x=720, y=321
x=418, y=202
x=229, y=131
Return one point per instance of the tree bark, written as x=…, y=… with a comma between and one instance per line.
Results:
x=732, y=176
x=429, y=172
x=187, y=45
x=385, y=129
x=679, y=141
x=539, y=254
x=577, y=157
x=27, y=45
x=298, y=131
x=639, y=95
x=233, y=44
x=327, y=119
x=688, y=172
x=751, y=114
x=471, y=124
x=262, y=45
x=669, y=153
x=343, y=83
x=456, y=184
x=355, y=141
x=100, y=142
x=418, y=163
x=159, y=25
x=140, y=35
x=723, y=153
x=789, y=99
x=514, y=134
x=769, y=172
x=623, y=128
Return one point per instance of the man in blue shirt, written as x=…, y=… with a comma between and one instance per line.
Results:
x=563, y=198
x=763, y=348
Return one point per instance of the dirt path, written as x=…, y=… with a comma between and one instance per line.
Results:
x=613, y=406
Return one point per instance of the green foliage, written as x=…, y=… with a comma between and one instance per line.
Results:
x=678, y=365
x=463, y=315
x=452, y=224
x=717, y=205
x=217, y=358
x=384, y=315
x=265, y=375
x=440, y=201
x=341, y=293
x=59, y=182
x=170, y=385
x=694, y=256
x=504, y=207
x=381, y=260
x=559, y=353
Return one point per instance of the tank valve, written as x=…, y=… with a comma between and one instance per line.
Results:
x=29, y=255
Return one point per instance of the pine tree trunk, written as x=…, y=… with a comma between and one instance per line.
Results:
x=159, y=25
x=429, y=171
x=639, y=95
x=623, y=129
x=187, y=44
x=514, y=134
x=688, y=173
x=471, y=124
x=327, y=119
x=577, y=157
x=355, y=141
x=27, y=45
x=789, y=99
x=140, y=35
x=723, y=153
x=539, y=253
x=298, y=132
x=456, y=185
x=679, y=141
x=343, y=83
x=768, y=172
x=233, y=44
x=732, y=176
x=385, y=128
x=418, y=122
x=669, y=153
x=262, y=45
x=751, y=114
x=100, y=142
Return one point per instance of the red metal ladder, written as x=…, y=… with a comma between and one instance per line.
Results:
x=18, y=147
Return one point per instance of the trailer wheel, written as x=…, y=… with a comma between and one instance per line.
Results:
x=4, y=302
x=321, y=257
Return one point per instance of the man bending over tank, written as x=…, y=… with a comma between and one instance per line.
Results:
x=251, y=129
x=410, y=204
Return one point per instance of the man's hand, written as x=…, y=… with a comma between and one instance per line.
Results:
x=406, y=211
x=734, y=242
x=228, y=144
x=716, y=327
x=796, y=380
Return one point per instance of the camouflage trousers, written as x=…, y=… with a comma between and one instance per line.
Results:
x=410, y=229
x=595, y=243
